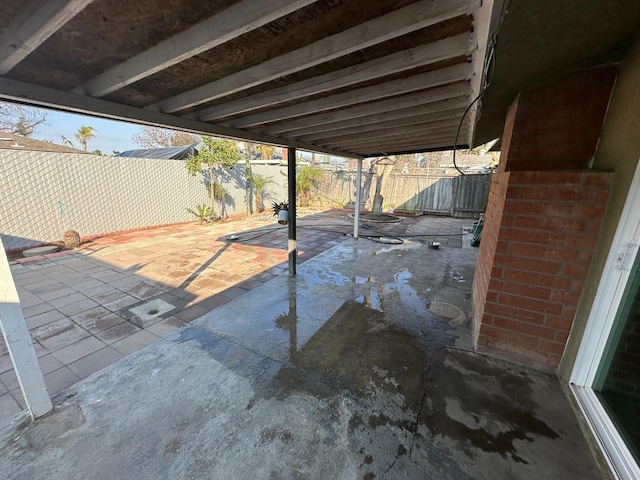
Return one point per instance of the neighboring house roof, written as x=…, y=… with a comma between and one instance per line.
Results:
x=170, y=153
x=9, y=141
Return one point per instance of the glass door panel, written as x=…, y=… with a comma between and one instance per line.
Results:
x=617, y=382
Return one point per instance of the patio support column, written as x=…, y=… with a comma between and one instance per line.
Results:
x=291, y=175
x=18, y=341
x=356, y=215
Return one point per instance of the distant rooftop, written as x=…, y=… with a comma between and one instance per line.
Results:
x=10, y=141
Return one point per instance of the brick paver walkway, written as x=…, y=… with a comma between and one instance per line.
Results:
x=78, y=304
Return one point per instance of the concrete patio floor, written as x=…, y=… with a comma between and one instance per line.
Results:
x=81, y=306
x=359, y=367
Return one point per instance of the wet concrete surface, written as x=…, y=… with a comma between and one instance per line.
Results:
x=360, y=367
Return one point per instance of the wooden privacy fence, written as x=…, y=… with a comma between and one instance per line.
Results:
x=456, y=196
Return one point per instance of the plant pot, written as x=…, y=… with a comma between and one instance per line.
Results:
x=283, y=217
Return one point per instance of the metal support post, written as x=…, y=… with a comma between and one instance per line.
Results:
x=291, y=180
x=356, y=215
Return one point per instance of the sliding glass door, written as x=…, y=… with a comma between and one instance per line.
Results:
x=606, y=376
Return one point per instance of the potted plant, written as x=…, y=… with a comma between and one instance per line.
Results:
x=281, y=210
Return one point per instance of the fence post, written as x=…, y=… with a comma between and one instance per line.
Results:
x=454, y=195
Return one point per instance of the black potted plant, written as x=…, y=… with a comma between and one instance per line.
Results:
x=281, y=210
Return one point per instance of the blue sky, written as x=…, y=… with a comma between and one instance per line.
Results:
x=110, y=135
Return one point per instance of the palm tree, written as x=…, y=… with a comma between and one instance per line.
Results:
x=259, y=183
x=83, y=135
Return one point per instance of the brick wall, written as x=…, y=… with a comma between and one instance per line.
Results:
x=558, y=124
x=541, y=243
x=484, y=265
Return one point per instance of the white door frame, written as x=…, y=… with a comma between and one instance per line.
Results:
x=615, y=275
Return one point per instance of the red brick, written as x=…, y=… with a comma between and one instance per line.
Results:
x=530, y=304
x=528, y=236
x=551, y=347
x=588, y=211
x=560, y=322
x=505, y=323
x=553, y=224
x=555, y=192
x=596, y=179
x=524, y=290
x=508, y=336
x=538, y=331
x=562, y=336
x=535, y=278
x=526, y=264
x=565, y=297
x=530, y=207
x=546, y=252
x=514, y=313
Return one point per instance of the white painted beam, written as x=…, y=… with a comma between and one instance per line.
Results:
x=389, y=65
x=390, y=135
x=415, y=136
x=394, y=88
x=18, y=341
x=481, y=25
x=38, y=23
x=221, y=28
x=38, y=95
x=435, y=142
x=392, y=25
x=438, y=118
x=332, y=128
x=307, y=124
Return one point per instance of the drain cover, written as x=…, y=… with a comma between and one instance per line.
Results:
x=445, y=310
x=149, y=313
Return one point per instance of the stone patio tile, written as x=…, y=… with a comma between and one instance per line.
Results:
x=118, y=332
x=78, y=350
x=5, y=362
x=213, y=302
x=120, y=303
x=94, y=362
x=8, y=406
x=105, y=295
x=89, y=315
x=44, y=318
x=28, y=299
x=49, y=363
x=134, y=342
x=36, y=310
x=9, y=380
x=191, y=313
x=62, y=292
x=90, y=285
x=78, y=307
x=166, y=326
x=59, y=334
x=103, y=323
x=43, y=286
x=59, y=380
x=67, y=300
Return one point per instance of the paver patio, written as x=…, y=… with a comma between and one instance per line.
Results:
x=78, y=304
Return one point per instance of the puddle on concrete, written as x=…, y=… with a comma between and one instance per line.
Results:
x=480, y=406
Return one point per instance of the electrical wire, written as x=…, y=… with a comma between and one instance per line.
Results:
x=488, y=69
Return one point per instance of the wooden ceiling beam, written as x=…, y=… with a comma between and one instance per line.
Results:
x=37, y=24
x=459, y=45
x=394, y=88
x=417, y=117
x=221, y=28
x=399, y=22
x=313, y=123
